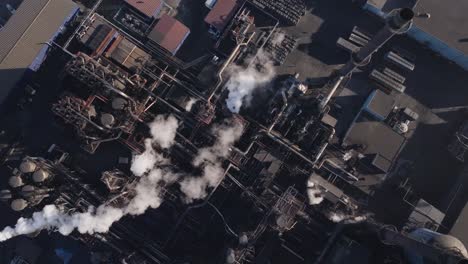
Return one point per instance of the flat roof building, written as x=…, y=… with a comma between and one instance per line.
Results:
x=21, y=39
x=379, y=104
x=444, y=32
x=222, y=12
x=149, y=8
x=169, y=33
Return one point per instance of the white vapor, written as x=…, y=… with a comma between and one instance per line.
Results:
x=209, y=159
x=243, y=81
x=154, y=175
x=190, y=103
x=100, y=219
x=339, y=217
x=314, y=193
x=163, y=130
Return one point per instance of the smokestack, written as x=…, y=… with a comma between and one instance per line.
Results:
x=398, y=22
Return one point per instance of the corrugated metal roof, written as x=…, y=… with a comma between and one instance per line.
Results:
x=147, y=7
x=221, y=13
x=169, y=33
x=35, y=22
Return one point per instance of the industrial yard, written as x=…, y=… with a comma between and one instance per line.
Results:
x=232, y=131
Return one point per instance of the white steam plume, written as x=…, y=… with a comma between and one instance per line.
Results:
x=100, y=219
x=209, y=159
x=243, y=81
x=339, y=217
x=190, y=103
x=163, y=130
x=314, y=193
x=154, y=175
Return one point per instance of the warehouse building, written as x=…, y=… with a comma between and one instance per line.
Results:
x=219, y=17
x=22, y=38
x=169, y=33
x=442, y=31
x=149, y=8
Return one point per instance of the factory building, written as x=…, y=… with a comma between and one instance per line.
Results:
x=169, y=33
x=433, y=32
x=21, y=39
x=148, y=8
x=219, y=17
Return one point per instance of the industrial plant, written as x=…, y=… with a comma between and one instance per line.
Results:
x=233, y=132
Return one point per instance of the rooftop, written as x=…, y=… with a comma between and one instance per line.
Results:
x=445, y=22
x=221, y=13
x=169, y=33
x=379, y=104
x=376, y=137
x=35, y=22
x=147, y=7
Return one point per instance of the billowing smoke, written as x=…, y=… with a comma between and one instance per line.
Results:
x=314, y=193
x=100, y=219
x=340, y=217
x=190, y=103
x=209, y=159
x=163, y=130
x=278, y=38
x=154, y=175
x=243, y=81
x=92, y=221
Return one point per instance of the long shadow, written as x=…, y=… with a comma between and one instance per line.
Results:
x=435, y=170
x=192, y=14
x=335, y=23
x=432, y=174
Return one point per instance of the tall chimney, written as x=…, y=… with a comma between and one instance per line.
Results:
x=398, y=21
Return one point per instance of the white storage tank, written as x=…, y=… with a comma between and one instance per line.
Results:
x=15, y=181
x=19, y=204
x=27, y=166
x=40, y=175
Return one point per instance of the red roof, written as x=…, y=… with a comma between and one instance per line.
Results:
x=147, y=7
x=221, y=13
x=169, y=33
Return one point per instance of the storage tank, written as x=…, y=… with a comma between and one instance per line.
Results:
x=119, y=103
x=27, y=166
x=107, y=120
x=40, y=175
x=19, y=204
x=15, y=181
x=28, y=188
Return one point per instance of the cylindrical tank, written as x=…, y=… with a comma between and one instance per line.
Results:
x=15, y=181
x=28, y=188
x=119, y=103
x=40, y=175
x=19, y=204
x=107, y=120
x=27, y=166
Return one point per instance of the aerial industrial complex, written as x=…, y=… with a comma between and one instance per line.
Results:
x=233, y=131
